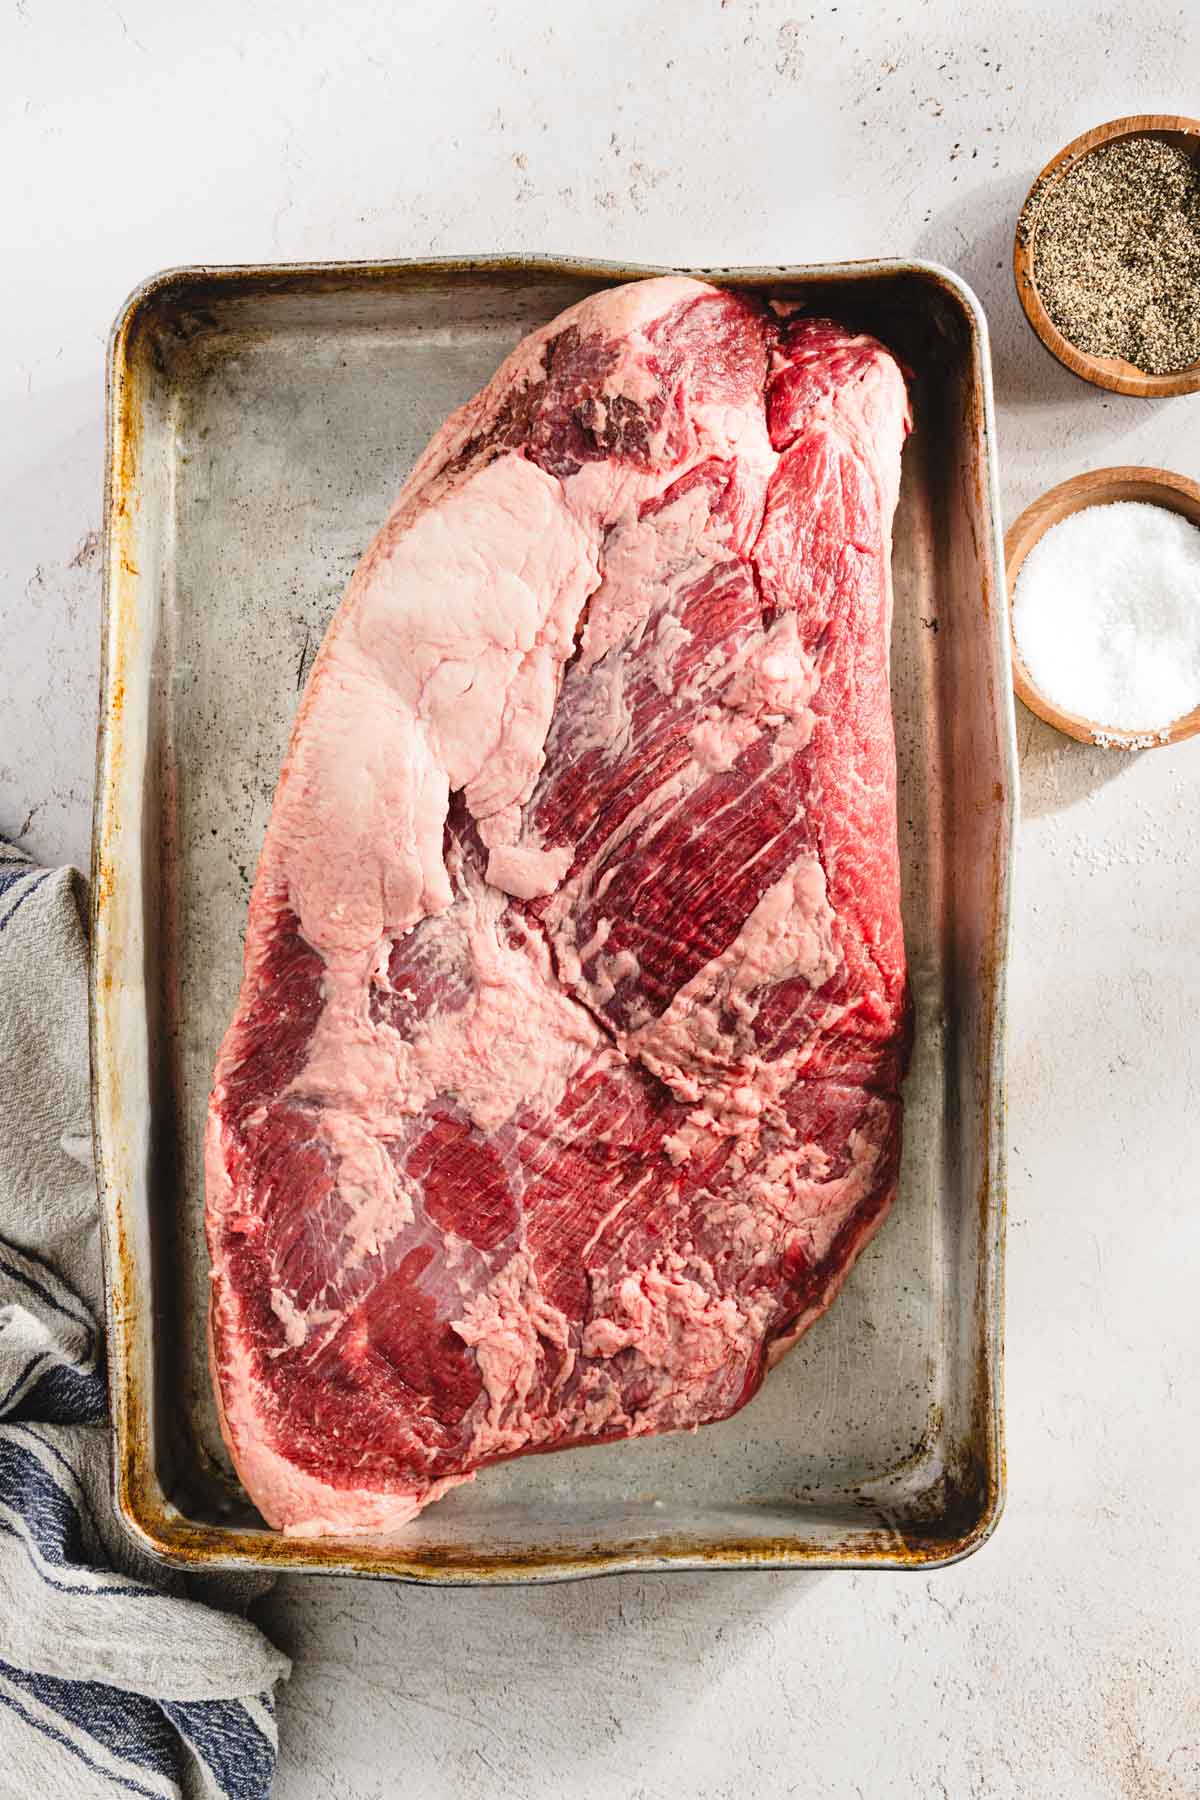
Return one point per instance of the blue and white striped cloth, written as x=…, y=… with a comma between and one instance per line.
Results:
x=115, y=1676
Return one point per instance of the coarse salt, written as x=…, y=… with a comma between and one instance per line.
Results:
x=1106, y=615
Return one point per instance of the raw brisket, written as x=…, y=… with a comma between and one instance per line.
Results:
x=563, y=1087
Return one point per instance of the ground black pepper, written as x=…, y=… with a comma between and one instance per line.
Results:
x=1116, y=253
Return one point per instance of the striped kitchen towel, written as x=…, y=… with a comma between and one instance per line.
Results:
x=116, y=1677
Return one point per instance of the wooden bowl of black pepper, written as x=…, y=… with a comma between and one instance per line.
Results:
x=1107, y=256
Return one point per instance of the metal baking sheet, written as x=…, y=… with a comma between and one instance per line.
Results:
x=261, y=422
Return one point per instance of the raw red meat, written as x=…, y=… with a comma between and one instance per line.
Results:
x=562, y=1090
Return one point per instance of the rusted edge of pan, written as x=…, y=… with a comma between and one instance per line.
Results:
x=118, y=1012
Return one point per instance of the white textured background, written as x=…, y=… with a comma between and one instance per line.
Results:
x=1064, y=1660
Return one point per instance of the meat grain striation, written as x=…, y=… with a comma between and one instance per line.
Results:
x=563, y=1086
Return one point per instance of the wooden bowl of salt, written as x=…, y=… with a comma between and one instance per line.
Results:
x=1100, y=240
x=1101, y=488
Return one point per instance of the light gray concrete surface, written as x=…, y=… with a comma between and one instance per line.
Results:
x=1063, y=1660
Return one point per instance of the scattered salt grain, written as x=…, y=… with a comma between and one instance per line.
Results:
x=1107, y=616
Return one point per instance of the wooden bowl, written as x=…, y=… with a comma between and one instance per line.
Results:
x=1104, y=371
x=1161, y=488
